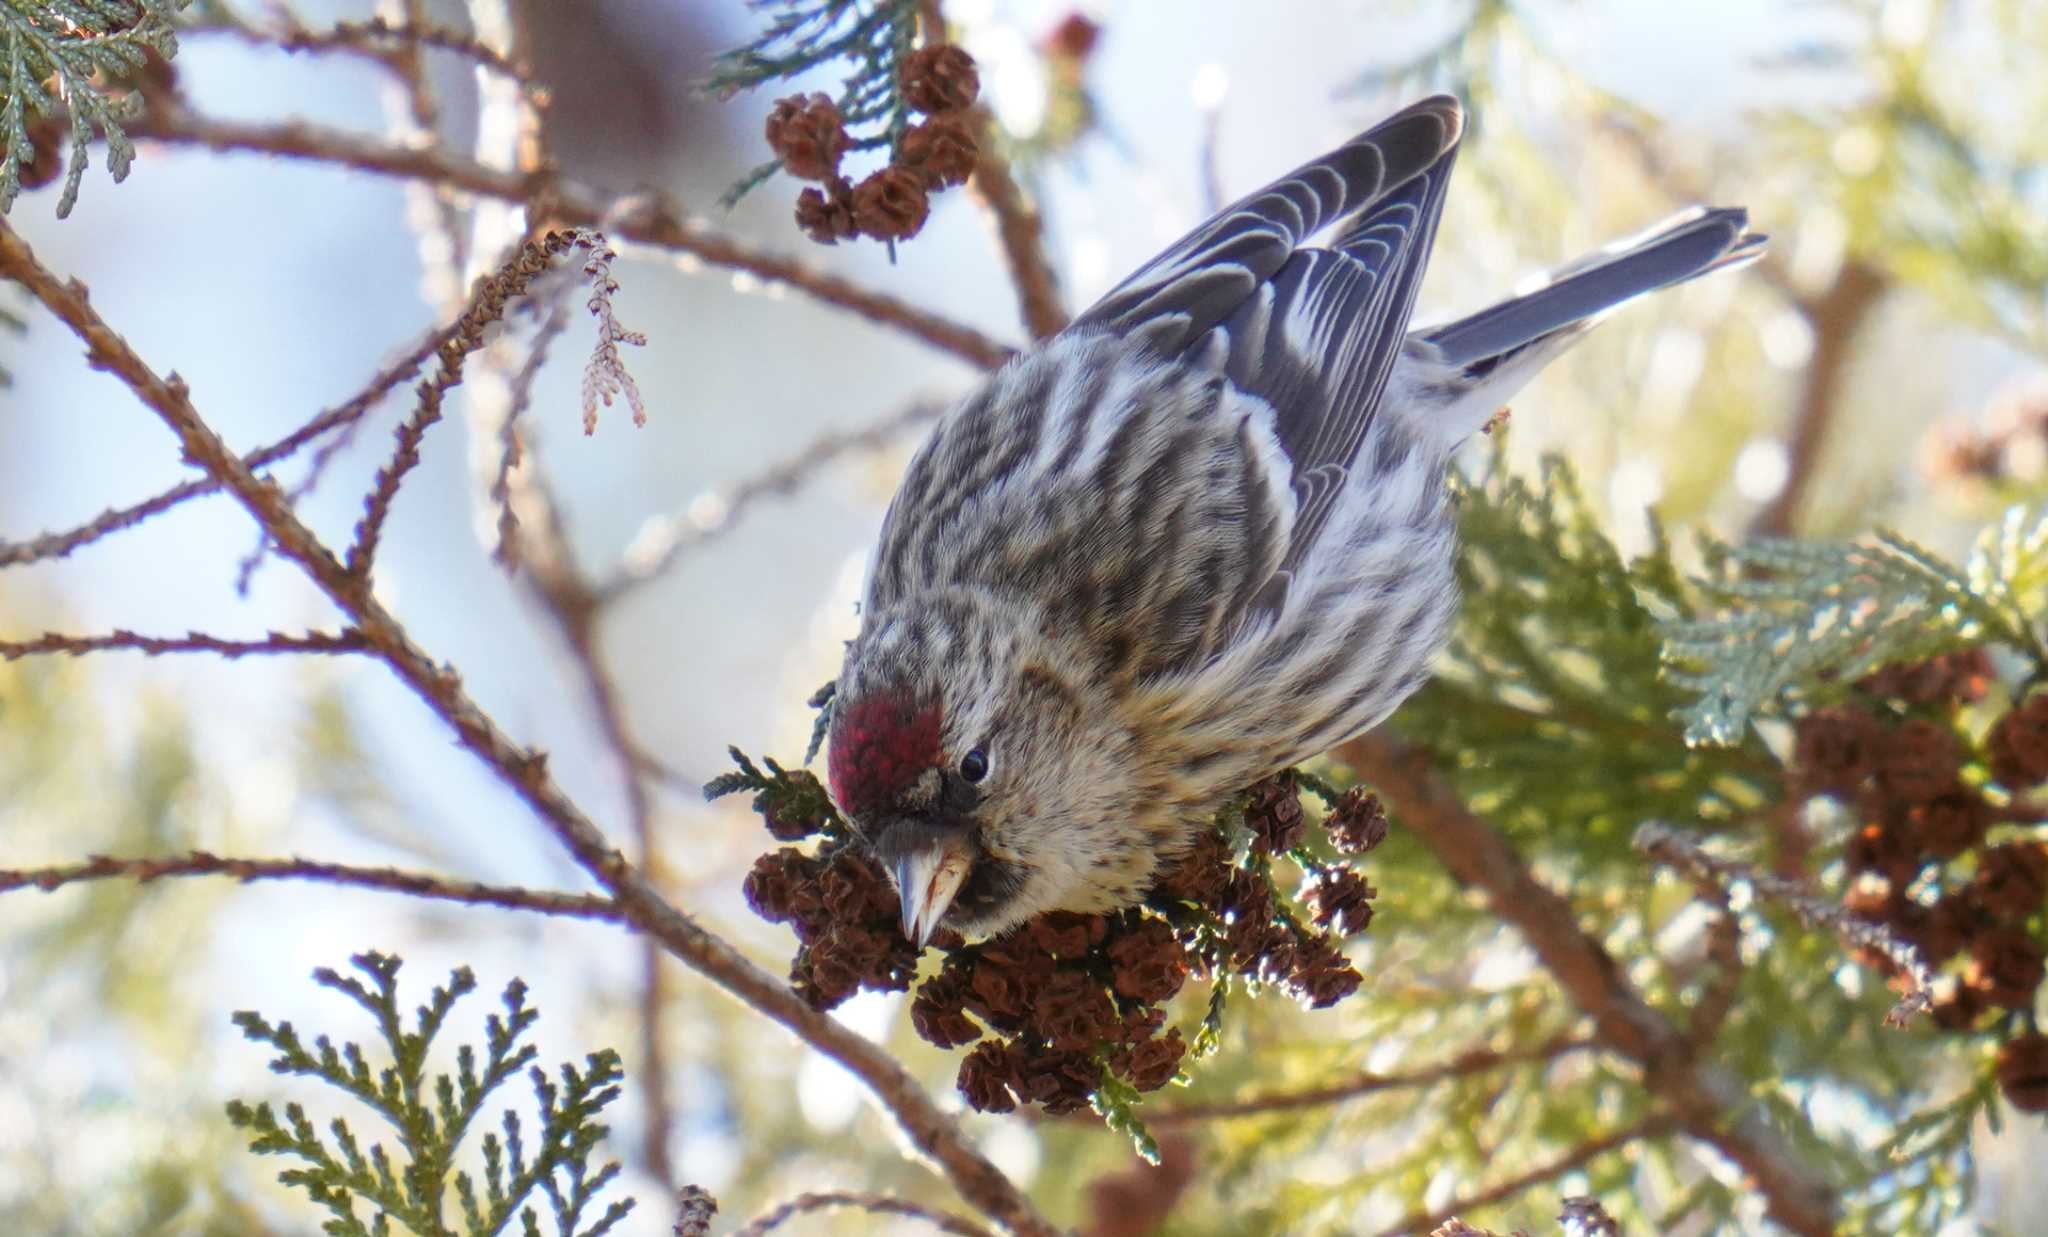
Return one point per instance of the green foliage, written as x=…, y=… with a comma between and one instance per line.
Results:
x=1797, y=622
x=73, y=50
x=871, y=36
x=780, y=795
x=1552, y=710
x=1116, y=1102
x=432, y=1117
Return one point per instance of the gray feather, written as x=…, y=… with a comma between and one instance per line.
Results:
x=1682, y=247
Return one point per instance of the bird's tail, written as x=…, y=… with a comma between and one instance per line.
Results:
x=1571, y=298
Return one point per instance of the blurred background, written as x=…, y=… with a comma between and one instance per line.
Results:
x=1882, y=367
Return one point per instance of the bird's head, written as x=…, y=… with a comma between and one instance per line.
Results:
x=983, y=776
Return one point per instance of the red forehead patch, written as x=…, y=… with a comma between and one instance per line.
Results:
x=879, y=747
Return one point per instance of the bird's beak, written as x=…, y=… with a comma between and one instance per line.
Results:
x=928, y=878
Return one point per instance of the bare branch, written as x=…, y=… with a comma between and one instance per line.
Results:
x=876, y=1204
x=1465, y=1064
x=389, y=880
x=524, y=770
x=659, y=225
x=191, y=642
x=664, y=539
x=342, y=416
x=1672, y=847
x=1577, y=1158
x=488, y=304
x=1710, y=1103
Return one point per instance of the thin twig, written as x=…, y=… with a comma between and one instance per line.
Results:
x=659, y=225
x=1579, y=1157
x=488, y=303
x=342, y=416
x=390, y=880
x=1465, y=1064
x=511, y=451
x=1684, y=853
x=1712, y=1104
x=663, y=539
x=377, y=39
x=190, y=642
x=877, y=1204
x=524, y=770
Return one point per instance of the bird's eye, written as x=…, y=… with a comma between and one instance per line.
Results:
x=974, y=765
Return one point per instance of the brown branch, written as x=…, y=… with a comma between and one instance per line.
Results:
x=190, y=642
x=1579, y=1157
x=664, y=539
x=659, y=224
x=874, y=1204
x=1019, y=228
x=488, y=304
x=511, y=451
x=524, y=770
x=377, y=39
x=1475, y=1061
x=1020, y=233
x=1709, y=1102
x=1835, y=317
x=389, y=880
x=345, y=415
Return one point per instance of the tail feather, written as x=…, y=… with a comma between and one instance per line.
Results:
x=1683, y=247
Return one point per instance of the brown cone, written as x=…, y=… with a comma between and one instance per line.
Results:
x=891, y=204
x=939, y=79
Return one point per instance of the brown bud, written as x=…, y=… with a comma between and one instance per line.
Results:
x=1920, y=762
x=940, y=78
x=772, y=886
x=2007, y=964
x=1948, y=824
x=986, y=1075
x=808, y=134
x=939, y=1014
x=1065, y=934
x=1838, y=748
x=826, y=215
x=1273, y=810
x=2023, y=1071
x=1951, y=676
x=1358, y=823
x=2018, y=744
x=1073, y=1011
x=1148, y=963
x=1074, y=38
x=1203, y=874
x=1958, y=1004
x=941, y=150
x=2012, y=880
x=891, y=204
x=1155, y=1061
x=1341, y=899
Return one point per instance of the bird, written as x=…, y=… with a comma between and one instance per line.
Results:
x=1199, y=535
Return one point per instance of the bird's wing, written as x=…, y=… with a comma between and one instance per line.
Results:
x=1314, y=332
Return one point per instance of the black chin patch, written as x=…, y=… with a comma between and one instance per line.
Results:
x=990, y=885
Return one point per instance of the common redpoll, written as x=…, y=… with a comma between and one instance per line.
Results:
x=1199, y=535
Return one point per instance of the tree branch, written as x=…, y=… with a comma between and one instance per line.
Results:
x=664, y=539
x=190, y=642
x=524, y=770
x=1710, y=1103
x=1579, y=1157
x=61, y=544
x=874, y=1204
x=1475, y=1061
x=659, y=224
x=1835, y=317
x=390, y=880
